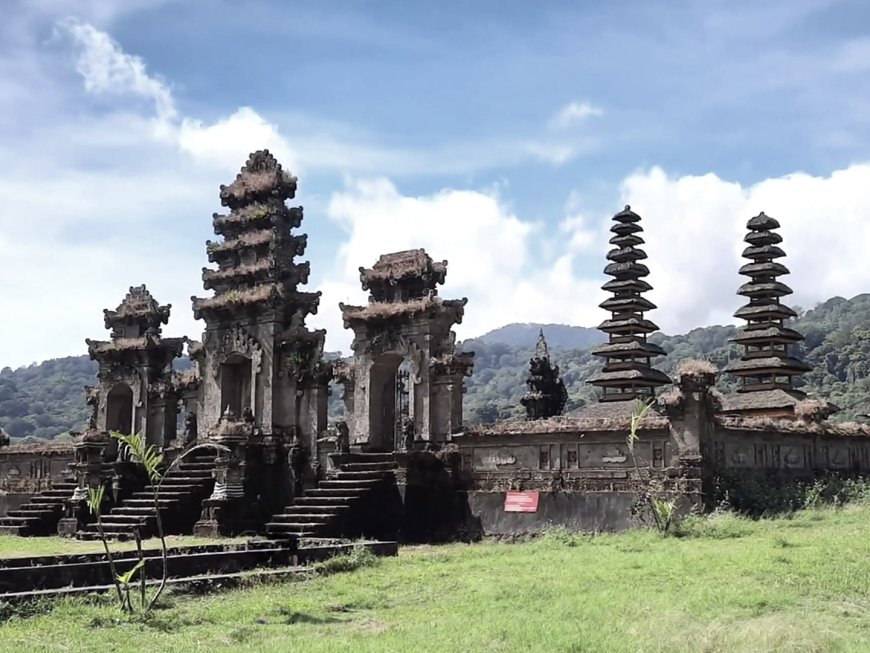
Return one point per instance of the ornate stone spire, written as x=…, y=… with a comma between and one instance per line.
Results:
x=547, y=394
x=766, y=363
x=256, y=268
x=628, y=373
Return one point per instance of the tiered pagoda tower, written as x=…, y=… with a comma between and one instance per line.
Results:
x=406, y=372
x=628, y=373
x=258, y=361
x=547, y=395
x=767, y=363
x=136, y=393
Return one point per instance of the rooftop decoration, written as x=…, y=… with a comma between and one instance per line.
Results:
x=547, y=395
x=256, y=270
x=628, y=373
x=767, y=362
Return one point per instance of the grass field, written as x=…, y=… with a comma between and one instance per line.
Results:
x=12, y=546
x=797, y=584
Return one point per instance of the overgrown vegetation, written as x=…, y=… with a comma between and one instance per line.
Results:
x=731, y=584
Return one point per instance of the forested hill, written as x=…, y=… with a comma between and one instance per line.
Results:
x=837, y=345
x=47, y=399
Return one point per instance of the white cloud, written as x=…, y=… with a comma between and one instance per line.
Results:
x=106, y=69
x=491, y=255
x=573, y=113
x=694, y=227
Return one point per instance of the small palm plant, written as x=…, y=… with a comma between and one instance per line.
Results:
x=661, y=509
x=152, y=460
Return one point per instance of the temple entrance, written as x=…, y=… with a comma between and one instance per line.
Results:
x=390, y=401
x=236, y=384
x=119, y=409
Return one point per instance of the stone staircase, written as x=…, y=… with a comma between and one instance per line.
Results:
x=180, y=504
x=40, y=515
x=328, y=510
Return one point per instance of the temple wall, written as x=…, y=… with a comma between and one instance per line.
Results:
x=28, y=470
x=584, y=480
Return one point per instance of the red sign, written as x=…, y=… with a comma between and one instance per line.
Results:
x=521, y=502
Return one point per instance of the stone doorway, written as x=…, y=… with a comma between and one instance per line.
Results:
x=236, y=384
x=390, y=401
x=119, y=409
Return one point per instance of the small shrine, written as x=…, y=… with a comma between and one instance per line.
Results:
x=136, y=393
x=407, y=379
x=547, y=394
x=628, y=373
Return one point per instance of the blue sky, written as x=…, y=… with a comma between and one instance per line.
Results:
x=499, y=135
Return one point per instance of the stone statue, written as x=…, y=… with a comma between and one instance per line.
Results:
x=407, y=434
x=190, y=428
x=343, y=438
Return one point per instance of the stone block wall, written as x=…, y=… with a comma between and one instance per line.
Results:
x=29, y=469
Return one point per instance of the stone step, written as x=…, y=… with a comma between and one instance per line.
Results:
x=40, y=499
x=324, y=500
x=364, y=475
x=36, y=513
x=371, y=457
x=342, y=492
x=333, y=508
x=297, y=530
x=368, y=467
x=341, y=484
x=313, y=518
x=111, y=522
x=188, y=474
x=165, y=493
x=18, y=521
x=132, y=510
x=59, y=494
x=10, y=529
x=207, y=465
x=148, y=503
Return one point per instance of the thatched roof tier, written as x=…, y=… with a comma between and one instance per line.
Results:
x=634, y=348
x=762, y=222
x=750, y=335
x=764, y=289
x=628, y=270
x=773, y=399
x=629, y=326
x=626, y=286
x=639, y=376
x=384, y=311
x=626, y=215
x=627, y=304
x=761, y=238
x=139, y=311
x=628, y=240
x=271, y=295
x=626, y=255
x=767, y=269
x=262, y=178
x=752, y=366
x=266, y=269
x=410, y=274
x=763, y=252
x=611, y=410
x=766, y=312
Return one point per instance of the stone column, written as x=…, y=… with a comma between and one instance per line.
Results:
x=90, y=474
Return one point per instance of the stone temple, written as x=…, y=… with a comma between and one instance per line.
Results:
x=402, y=465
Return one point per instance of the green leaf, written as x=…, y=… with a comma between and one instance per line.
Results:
x=95, y=498
x=125, y=578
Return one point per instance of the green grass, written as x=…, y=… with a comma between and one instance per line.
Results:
x=12, y=546
x=729, y=584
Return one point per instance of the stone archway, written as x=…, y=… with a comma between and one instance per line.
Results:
x=390, y=399
x=119, y=409
x=236, y=383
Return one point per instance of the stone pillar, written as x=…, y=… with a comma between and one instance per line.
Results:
x=231, y=508
x=90, y=473
x=692, y=428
